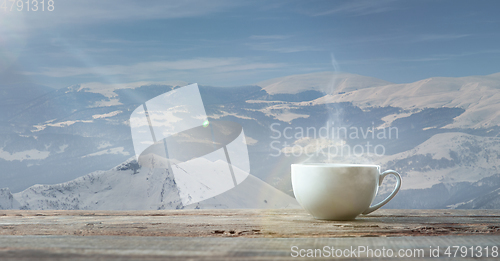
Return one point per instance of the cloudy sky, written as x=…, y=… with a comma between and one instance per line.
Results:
x=233, y=43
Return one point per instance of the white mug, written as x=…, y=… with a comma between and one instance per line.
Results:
x=339, y=191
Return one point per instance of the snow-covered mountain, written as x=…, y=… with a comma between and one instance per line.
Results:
x=326, y=82
x=479, y=96
x=82, y=128
x=446, y=145
x=448, y=149
x=132, y=187
x=459, y=167
x=448, y=158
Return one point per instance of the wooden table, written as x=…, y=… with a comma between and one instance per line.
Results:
x=240, y=234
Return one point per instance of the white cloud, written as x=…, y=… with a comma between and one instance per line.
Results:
x=359, y=8
x=71, y=12
x=277, y=43
x=270, y=37
x=281, y=48
x=438, y=37
x=402, y=38
x=437, y=57
x=146, y=69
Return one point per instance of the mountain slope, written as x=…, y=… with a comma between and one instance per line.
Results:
x=447, y=158
x=130, y=187
x=478, y=95
x=326, y=82
x=447, y=136
x=458, y=167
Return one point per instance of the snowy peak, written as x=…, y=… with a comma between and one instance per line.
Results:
x=494, y=75
x=477, y=95
x=447, y=158
x=131, y=187
x=451, y=144
x=326, y=82
x=108, y=90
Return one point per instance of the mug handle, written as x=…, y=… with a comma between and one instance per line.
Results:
x=396, y=189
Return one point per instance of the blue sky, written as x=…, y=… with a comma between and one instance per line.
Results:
x=233, y=43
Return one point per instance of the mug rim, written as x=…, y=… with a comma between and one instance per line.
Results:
x=335, y=165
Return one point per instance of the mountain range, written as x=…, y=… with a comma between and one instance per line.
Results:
x=445, y=142
x=133, y=187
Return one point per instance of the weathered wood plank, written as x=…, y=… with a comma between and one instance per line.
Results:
x=282, y=223
x=235, y=234
x=221, y=248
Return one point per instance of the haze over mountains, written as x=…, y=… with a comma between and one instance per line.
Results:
x=447, y=147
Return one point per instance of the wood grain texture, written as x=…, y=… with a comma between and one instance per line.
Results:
x=235, y=234
x=280, y=223
x=222, y=248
